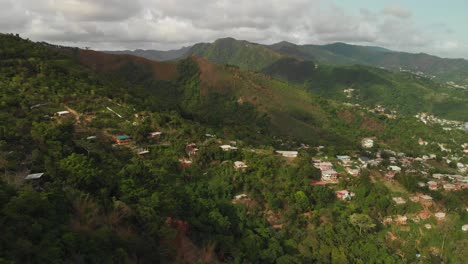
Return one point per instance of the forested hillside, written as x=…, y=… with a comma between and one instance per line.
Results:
x=117, y=159
x=328, y=70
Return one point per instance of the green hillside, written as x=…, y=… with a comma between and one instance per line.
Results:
x=104, y=201
x=247, y=55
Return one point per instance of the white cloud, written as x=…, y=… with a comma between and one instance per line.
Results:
x=162, y=24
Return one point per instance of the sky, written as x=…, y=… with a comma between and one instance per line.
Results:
x=430, y=26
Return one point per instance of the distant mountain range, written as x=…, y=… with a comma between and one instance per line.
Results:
x=329, y=70
x=253, y=56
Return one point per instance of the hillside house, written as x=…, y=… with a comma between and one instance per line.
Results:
x=241, y=196
x=62, y=113
x=401, y=219
x=191, y=149
x=329, y=175
x=287, y=154
x=449, y=187
x=154, y=134
x=440, y=216
x=424, y=214
x=142, y=151
x=122, y=139
x=353, y=170
x=344, y=159
x=432, y=185
x=367, y=143
x=185, y=162
x=227, y=147
x=465, y=228
x=344, y=195
x=414, y=199
x=425, y=200
x=34, y=176
x=399, y=200
x=240, y=166
x=325, y=165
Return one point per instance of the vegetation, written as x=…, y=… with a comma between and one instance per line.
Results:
x=99, y=202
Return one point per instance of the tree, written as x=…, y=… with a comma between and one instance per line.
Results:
x=364, y=222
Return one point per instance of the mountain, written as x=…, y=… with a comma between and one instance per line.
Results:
x=328, y=70
x=156, y=54
x=440, y=69
x=256, y=56
x=72, y=191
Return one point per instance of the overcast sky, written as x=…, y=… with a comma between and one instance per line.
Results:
x=435, y=27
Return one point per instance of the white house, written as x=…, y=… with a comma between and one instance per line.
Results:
x=287, y=154
x=34, y=176
x=367, y=143
x=62, y=113
x=227, y=147
x=239, y=165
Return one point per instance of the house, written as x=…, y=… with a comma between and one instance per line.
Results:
x=62, y=113
x=396, y=169
x=287, y=154
x=142, y=151
x=438, y=176
x=414, y=199
x=344, y=195
x=191, y=149
x=364, y=160
x=367, y=143
x=329, y=175
x=465, y=150
x=185, y=162
x=399, y=200
x=91, y=137
x=465, y=228
x=449, y=187
x=421, y=184
x=353, y=170
x=428, y=226
x=424, y=214
x=122, y=139
x=240, y=196
x=154, y=134
x=227, y=147
x=440, y=216
x=239, y=165
x=323, y=165
x=425, y=200
x=432, y=185
x=344, y=159
x=34, y=176
x=401, y=219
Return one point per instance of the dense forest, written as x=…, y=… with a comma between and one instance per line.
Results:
x=101, y=202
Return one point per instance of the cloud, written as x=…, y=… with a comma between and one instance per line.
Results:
x=397, y=11
x=162, y=24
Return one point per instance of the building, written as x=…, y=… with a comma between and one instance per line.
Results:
x=154, y=134
x=432, y=185
x=367, y=143
x=465, y=228
x=239, y=165
x=287, y=154
x=62, y=113
x=399, y=200
x=440, y=216
x=185, y=162
x=344, y=195
x=353, y=170
x=325, y=165
x=401, y=219
x=34, y=176
x=329, y=175
x=449, y=187
x=122, y=139
x=191, y=149
x=395, y=169
x=425, y=200
x=344, y=159
x=227, y=147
